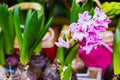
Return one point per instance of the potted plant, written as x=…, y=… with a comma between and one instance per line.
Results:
x=33, y=33
x=86, y=24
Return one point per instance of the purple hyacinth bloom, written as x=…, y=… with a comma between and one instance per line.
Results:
x=88, y=28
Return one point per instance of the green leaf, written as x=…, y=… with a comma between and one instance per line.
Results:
x=30, y=33
x=116, y=50
x=67, y=74
x=75, y=9
x=41, y=20
x=61, y=55
x=17, y=26
x=38, y=48
x=83, y=6
x=118, y=24
x=12, y=26
x=92, y=11
x=2, y=56
x=87, y=5
x=4, y=23
x=42, y=33
x=71, y=55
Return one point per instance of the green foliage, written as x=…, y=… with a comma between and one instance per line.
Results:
x=68, y=73
x=65, y=60
x=71, y=55
x=33, y=32
x=2, y=57
x=61, y=55
x=116, y=50
x=7, y=32
x=7, y=26
x=17, y=27
x=112, y=9
x=74, y=12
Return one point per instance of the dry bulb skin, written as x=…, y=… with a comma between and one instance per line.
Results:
x=51, y=73
x=40, y=61
x=27, y=72
x=2, y=73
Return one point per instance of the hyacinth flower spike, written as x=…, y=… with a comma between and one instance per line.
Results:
x=85, y=34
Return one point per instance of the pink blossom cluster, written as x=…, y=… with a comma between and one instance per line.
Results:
x=88, y=27
x=86, y=30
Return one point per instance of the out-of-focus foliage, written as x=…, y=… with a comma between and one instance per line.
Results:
x=112, y=9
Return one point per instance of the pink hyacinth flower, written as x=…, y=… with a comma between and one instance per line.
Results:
x=90, y=42
x=100, y=20
x=88, y=28
x=77, y=31
x=63, y=43
x=84, y=20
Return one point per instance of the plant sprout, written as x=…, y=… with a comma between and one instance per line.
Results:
x=7, y=32
x=33, y=32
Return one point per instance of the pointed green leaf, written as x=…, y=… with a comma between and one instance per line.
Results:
x=38, y=48
x=30, y=33
x=87, y=5
x=116, y=50
x=61, y=55
x=92, y=11
x=67, y=74
x=41, y=20
x=11, y=26
x=71, y=55
x=4, y=23
x=75, y=9
x=17, y=26
x=42, y=33
x=2, y=56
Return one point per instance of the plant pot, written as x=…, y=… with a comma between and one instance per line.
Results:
x=91, y=74
x=48, y=43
